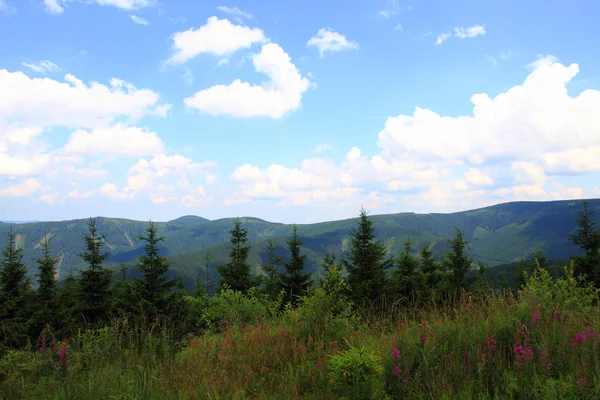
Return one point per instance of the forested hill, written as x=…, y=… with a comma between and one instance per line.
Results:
x=498, y=234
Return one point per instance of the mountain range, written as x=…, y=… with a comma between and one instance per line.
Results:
x=499, y=234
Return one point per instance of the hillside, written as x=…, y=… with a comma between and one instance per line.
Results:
x=498, y=234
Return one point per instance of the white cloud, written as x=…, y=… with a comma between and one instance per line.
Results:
x=218, y=37
x=48, y=198
x=462, y=33
x=477, y=178
x=470, y=32
x=442, y=38
x=23, y=189
x=328, y=40
x=398, y=28
x=43, y=67
x=234, y=11
x=542, y=60
x=132, y=141
x=139, y=20
x=562, y=192
x=282, y=94
x=223, y=61
x=393, y=7
x=322, y=148
x=53, y=6
x=56, y=6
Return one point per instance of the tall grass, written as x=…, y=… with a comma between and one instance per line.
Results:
x=541, y=344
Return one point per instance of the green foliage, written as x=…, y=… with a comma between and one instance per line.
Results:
x=230, y=307
x=294, y=281
x=570, y=291
x=431, y=271
x=95, y=282
x=236, y=273
x=366, y=262
x=356, y=373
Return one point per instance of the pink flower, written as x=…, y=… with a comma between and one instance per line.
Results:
x=64, y=353
x=451, y=367
x=395, y=354
x=582, y=383
x=423, y=340
x=319, y=365
x=548, y=366
x=536, y=319
x=398, y=372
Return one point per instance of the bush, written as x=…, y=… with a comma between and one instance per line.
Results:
x=356, y=373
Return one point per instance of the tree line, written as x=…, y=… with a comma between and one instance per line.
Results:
x=365, y=275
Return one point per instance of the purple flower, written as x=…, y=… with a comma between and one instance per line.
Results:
x=423, y=340
x=395, y=354
x=64, y=353
x=536, y=319
x=398, y=372
x=319, y=365
x=582, y=383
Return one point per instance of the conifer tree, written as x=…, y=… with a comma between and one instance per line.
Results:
x=294, y=281
x=430, y=270
x=70, y=306
x=407, y=279
x=156, y=288
x=539, y=260
x=366, y=262
x=15, y=295
x=236, y=273
x=457, y=264
x=46, y=293
x=95, y=282
x=273, y=280
x=587, y=238
x=123, y=292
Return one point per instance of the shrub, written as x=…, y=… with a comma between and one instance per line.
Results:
x=356, y=372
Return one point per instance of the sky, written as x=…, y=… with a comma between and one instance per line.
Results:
x=294, y=111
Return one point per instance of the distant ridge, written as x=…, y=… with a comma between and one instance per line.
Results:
x=189, y=219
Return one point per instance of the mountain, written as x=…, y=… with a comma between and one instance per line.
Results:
x=499, y=234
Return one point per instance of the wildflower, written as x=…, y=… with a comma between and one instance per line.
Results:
x=548, y=366
x=64, y=352
x=451, y=367
x=319, y=365
x=395, y=354
x=582, y=383
x=536, y=319
x=522, y=354
x=490, y=348
x=398, y=372
x=423, y=340
x=579, y=338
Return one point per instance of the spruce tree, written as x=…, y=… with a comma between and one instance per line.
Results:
x=457, y=265
x=587, y=238
x=430, y=270
x=407, y=279
x=95, y=282
x=366, y=262
x=273, y=276
x=46, y=293
x=236, y=273
x=294, y=281
x=15, y=296
x=156, y=288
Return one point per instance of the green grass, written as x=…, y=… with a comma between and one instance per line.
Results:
x=465, y=350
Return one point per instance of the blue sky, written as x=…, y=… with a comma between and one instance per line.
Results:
x=294, y=111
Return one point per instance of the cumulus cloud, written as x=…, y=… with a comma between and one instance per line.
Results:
x=329, y=40
x=515, y=146
x=442, y=38
x=133, y=141
x=23, y=189
x=280, y=95
x=218, y=37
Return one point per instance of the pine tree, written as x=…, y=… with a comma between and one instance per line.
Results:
x=366, y=262
x=123, y=293
x=587, y=238
x=156, y=288
x=70, y=306
x=15, y=295
x=408, y=280
x=236, y=273
x=46, y=293
x=294, y=281
x=95, y=282
x=457, y=265
x=273, y=280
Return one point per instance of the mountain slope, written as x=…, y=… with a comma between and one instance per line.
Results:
x=498, y=234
